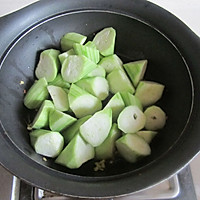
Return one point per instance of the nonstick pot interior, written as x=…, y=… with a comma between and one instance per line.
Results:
x=135, y=40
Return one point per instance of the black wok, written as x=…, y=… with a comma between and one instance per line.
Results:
x=144, y=31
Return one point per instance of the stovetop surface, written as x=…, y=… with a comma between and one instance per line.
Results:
x=187, y=191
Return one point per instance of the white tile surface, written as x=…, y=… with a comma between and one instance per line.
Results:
x=187, y=10
x=8, y=6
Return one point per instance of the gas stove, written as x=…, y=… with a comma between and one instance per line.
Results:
x=178, y=187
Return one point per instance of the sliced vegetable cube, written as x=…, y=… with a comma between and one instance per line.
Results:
x=147, y=135
x=59, y=97
x=47, y=143
x=107, y=148
x=42, y=117
x=99, y=71
x=70, y=132
x=149, y=92
x=105, y=41
x=82, y=103
x=97, y=86
x=59, y=120
x=36, y=94
x=48, y=65
x=132, y=146
x=116, y=103
x=64, y=55
x=58, y=81
x=90, y=44
x=155, y=118
x=110, y=63
x=96, y=129
x=76, y=67
x=136, y=70
x=131, y=100
x=75, y=153
x=89, y=52
x=131, y=119
x=69, y=39
x=119, y=82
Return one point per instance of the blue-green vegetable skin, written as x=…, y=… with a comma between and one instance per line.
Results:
x=41, y=119
x=59, y=120
x=76, y=153
x=70, y=132
x=36, y=94
x=107, y=149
